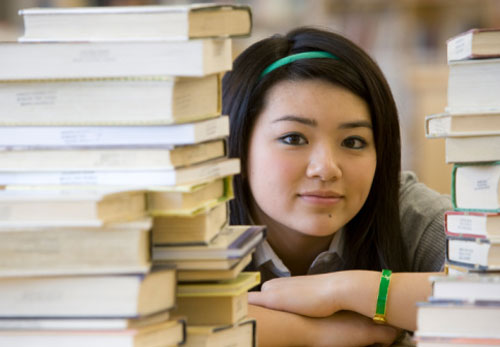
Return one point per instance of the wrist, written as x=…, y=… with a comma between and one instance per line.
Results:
x=357, y=291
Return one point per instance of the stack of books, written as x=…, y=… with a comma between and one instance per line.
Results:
x=465, y=305
x=111, y=114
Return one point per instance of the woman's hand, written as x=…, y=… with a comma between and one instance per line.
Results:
x=315, y=295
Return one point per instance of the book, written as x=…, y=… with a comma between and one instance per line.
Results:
x=454, y=318
x=110, y=101
x=432, y=341
x=241, y=334
x=464, y=124
x=95, y=296
x=216, y=303
x=475, y=187
x=32, y=249
x=472, y=224
x=70, y=207
x=474, y=43
x=82, y=323
x=169, y=333
x=118, y=136
x=69, y=60
x=472, y=149
x=199, y=228
x=471, y=287
x=473, y=86
x=135, y=22
x=232, y=242
x=224, y=264
x=214, y=274
x=478, y=253
x=189, y=199
x=110, y=158
x=140, y=179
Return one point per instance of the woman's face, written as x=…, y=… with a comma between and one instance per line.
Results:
x=311, y=157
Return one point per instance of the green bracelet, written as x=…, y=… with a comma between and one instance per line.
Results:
x=383, y=291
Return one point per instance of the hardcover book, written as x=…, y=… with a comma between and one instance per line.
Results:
x=473, y=86
x=464, y=124
x=70, y=207
x=43, y=137
x=36, y=249
x=475, y=187
x=471, y=287
x=70, y=60
x=199, y=228
x=181, y=22
x=476, y=253
x=110, y=101
x=472, y=149
x=474, y=43
x=472, y=224
x=216, y=303
x=110, y=158
x=169, y=333
x=138, y=179
x=95, y=296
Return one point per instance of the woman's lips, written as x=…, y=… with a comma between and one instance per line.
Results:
x=321, y=197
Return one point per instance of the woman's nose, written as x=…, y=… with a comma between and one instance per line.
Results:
x=323, y=164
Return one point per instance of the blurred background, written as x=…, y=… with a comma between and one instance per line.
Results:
x=406, y=37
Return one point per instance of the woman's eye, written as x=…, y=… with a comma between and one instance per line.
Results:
x=354, y=142
x=293, y=139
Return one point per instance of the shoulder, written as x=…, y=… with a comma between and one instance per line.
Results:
x=422, y=223
x=416, y=197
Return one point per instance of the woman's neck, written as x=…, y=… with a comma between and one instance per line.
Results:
x=295, y=249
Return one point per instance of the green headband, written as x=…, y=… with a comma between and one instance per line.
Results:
x=291, y=58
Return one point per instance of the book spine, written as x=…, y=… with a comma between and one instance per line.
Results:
x=468, y=251
x=466, y=225
x=475, y=187
x=460, y=47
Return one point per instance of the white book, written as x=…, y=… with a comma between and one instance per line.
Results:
x=27, y=61
x=139, y=158
x=104, y=23
x=168, y=333
x=81, y=323
x=462, y=124
x=124, y=136
x=470, y=287
x=110, y=101
x=70, y=207
x=465, y=149
x=476, y=187
x=474, y=43
x=131, y=178
x=29, y=248
x=94, y=296
x=473, y=86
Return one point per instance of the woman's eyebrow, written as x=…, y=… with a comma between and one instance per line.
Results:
x=302, y=120
x=356, y=124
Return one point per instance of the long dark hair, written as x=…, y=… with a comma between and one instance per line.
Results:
x=373, y=237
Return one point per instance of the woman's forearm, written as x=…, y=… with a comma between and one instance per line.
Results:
x=358, y=292
x=279, y=328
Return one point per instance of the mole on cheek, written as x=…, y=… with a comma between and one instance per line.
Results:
x=329, y=215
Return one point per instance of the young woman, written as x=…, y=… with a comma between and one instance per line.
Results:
x=316, y=127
